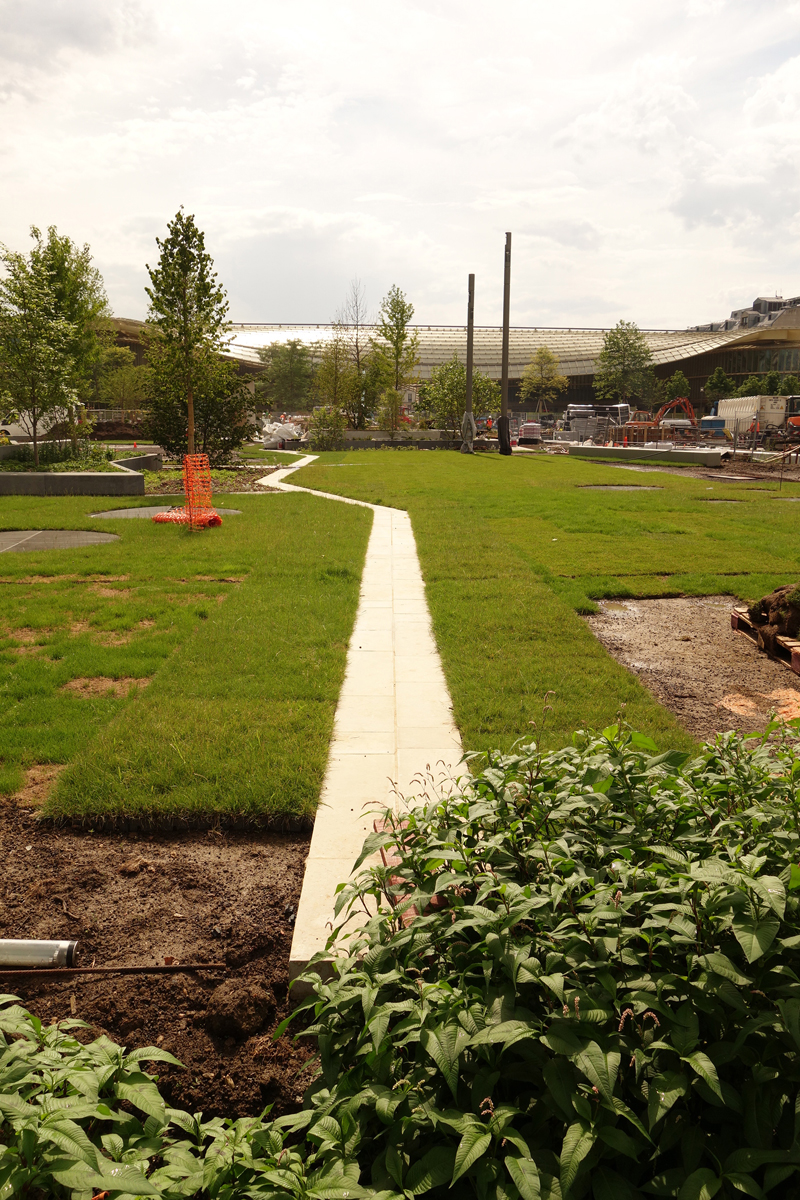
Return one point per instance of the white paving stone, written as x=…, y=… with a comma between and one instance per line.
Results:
x=394, y=724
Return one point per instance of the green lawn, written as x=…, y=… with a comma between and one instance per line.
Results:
x=512, y=550
x=241, y=630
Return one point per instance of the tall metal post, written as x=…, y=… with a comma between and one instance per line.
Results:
x=468, y=424
x=503, y=433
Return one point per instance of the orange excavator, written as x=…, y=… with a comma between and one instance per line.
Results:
x=642, y=421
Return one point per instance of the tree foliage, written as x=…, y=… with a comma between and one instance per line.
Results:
x=790, y=386
x=624, y=365
x=395, y=344
x=445, y=394
x=221, y=405
x=37, y=370
x=370, y=368
x=120, y=382
x=189, y=316
x=541, y=380
x=286, y=381
x=677, y=387
x=79, y=299
x=719, y=386
x=335, y=378
x=326, y=427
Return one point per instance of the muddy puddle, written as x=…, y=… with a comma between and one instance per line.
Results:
x=685, y=652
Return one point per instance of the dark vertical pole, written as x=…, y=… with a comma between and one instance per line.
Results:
x=468, y=423
x=503, y=435
x=470, y=338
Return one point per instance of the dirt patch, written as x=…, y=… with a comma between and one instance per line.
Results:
x=39, y=783
x=109, y=593
x=685, y=652
x=235, y=896
x=99, y=685
x=78, y=627
x=28, y=636
x=111, y=638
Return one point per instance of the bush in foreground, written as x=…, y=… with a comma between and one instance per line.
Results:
x=581, y=980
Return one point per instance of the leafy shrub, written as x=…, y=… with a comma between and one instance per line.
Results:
x=75, y=1118
x=582, y=979
x=599, y=994
x=326, y=427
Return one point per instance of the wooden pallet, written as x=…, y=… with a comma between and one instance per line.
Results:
x=787, y=650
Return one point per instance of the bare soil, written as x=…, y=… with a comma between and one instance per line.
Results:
x=140, y=900
x=685, y=652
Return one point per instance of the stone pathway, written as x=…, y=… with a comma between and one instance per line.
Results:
x=393, y=721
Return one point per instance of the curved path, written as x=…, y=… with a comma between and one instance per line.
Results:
x=393, y=721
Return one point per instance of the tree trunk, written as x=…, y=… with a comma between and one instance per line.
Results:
x=190, y=406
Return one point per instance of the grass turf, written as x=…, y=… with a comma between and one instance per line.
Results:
x=513, y=550
x=242, y=632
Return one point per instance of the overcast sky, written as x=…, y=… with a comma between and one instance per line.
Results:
x=645, y=155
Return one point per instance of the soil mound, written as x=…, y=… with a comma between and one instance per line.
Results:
x=777, y=615
x=238, y=1009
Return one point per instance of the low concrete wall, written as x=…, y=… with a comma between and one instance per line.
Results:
x=140, y=462
x=700, y=458
x=71, y=483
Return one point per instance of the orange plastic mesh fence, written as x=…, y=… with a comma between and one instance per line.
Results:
x=198, y=512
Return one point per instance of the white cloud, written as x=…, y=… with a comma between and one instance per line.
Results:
x=644, y=156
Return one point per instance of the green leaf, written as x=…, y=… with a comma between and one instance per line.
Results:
x=706, y=1070
x=139, y=1091
x=720, y=964
x=578, y=1141
x=444, y=1048
x=794, y=877
x=473, y=1144
x=755, y=934
x=600, y=1069
x=701, y=1185
x=618, y=1140
x=770, y=889
x=665, y=1090
x=431, y=1171
x=744, y=1183
x=525, y=1175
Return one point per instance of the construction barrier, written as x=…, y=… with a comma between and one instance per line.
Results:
x=198, y=512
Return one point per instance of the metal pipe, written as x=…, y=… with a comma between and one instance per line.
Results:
x=22, y=952
x=503, y=433
x=69, y=972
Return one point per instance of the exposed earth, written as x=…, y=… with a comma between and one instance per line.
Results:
x=140, y=900
x=685, y=652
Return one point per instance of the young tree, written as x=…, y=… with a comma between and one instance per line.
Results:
x=396, y=346
x=718, y=386
x=221, y=405
x=335, y=379
x=445, y=395
x=36, y=370
x=78, y=298
x=677, y=387
x=541, y=380
x=121, y=383
x=286, y=382
x=624, y=364
x=790, y=386
x=390, y=410
x=352, y=322
x=188, y=310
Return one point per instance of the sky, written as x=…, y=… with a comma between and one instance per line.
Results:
x=644, y=156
